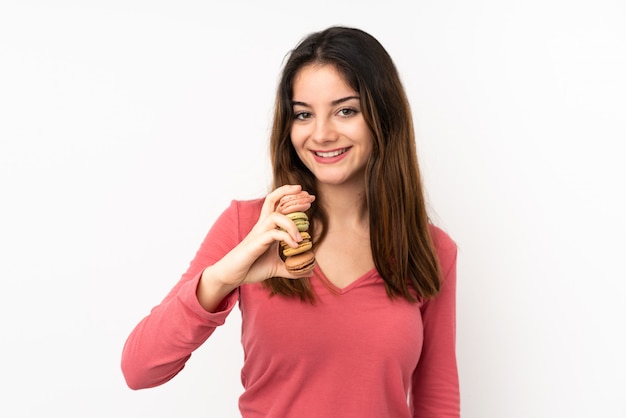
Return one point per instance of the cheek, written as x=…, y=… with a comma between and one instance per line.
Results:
x=297, y=138
x=365, y=137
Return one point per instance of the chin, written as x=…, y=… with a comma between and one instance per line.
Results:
x=335, y=181
x=338, y=178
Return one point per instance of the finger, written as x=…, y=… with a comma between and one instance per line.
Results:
x=272, y=199
x=279, y=227
x=285, y=224
x=281, y=235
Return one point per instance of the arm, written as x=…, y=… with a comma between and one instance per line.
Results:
x=435, y=386
x=241, y=247
x=160, y=345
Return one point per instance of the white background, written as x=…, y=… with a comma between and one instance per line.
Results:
x=126, y=127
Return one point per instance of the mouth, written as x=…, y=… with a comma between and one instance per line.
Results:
x=331, y=154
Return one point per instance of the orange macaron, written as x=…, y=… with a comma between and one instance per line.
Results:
x=300, y=263
x=294, y=202
x=304, y=245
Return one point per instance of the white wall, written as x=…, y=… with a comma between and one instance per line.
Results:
x=126, y=127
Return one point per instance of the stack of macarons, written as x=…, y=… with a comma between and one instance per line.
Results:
x=299, y=260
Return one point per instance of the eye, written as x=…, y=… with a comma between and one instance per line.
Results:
x=346, y=112
x=301, y=115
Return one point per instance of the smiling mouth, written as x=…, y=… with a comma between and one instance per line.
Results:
x=330, y=154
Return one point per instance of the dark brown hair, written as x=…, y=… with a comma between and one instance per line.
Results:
x=401, y=243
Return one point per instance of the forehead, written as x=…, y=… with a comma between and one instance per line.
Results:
x=319, y=81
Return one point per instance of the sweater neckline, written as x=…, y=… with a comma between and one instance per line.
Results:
x=342, y=290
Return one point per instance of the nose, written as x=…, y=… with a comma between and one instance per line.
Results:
x=324, y=131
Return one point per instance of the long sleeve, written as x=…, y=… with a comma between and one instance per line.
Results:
x=435, y=386
x=160, y=345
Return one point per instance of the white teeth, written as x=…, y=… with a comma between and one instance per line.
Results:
x=330, y=153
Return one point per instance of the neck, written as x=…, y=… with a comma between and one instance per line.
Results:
x=344, y=205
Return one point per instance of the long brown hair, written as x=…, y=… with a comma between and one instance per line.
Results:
x=402, y=247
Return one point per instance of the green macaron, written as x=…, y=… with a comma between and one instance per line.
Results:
x=300, y=219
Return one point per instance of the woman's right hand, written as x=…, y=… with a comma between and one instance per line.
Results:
x=256, y=257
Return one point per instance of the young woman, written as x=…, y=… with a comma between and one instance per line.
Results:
x=370, y=331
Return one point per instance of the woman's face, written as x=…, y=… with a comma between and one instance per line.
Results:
x=329, y=132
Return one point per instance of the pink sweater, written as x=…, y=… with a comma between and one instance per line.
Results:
x=354, y=354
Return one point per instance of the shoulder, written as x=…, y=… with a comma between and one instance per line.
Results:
x=445, y=246
x=251, y=207
x=246, y=212
x=441, y=239
x=237, y=219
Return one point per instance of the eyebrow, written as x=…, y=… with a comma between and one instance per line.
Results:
x=334, y=102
